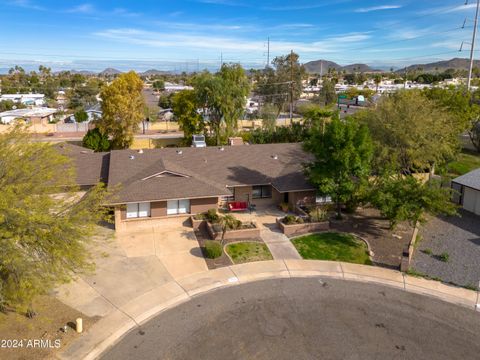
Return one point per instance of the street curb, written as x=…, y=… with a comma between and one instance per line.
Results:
x=109, y=330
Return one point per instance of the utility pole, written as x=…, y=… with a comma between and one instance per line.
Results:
x=291, y=87
x=472, y=50
x=268, y=52
x=405, y=82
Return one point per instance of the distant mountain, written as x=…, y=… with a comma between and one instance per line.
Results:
x=110, y=72
x=153, y=72
x=440, y=66
x=317, y=66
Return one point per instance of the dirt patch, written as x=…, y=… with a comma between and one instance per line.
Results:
x=52, y=316
x=386, y=245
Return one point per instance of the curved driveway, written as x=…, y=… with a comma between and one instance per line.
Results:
x=306, y=319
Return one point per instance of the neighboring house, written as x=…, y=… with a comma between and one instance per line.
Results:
x=26, y=99
x=467, y=191
x=33, y=116
x=173, y=88
x=168, y=182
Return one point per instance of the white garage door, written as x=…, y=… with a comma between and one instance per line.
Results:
x=175, y=207
x=471, y=200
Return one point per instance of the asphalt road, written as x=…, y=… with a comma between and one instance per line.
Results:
x=306, y=319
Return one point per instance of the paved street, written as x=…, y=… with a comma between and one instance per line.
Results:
x=306, y=319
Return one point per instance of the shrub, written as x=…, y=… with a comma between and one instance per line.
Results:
x=201, y=216
x=289, y=220
x=427, y=251
x=96, y=140
x=300, y=220
x=317, y=215
x=444, y=257
x=212, y=215
x=284, y=206
x=213, y=249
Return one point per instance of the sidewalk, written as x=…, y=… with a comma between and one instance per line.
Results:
x=280, y=246
x=112, y=327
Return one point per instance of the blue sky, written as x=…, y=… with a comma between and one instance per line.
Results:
x=184, y=35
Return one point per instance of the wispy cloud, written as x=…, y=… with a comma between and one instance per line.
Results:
x=378, y=8
x=82, y=9
x=221, y=2
x=303, y=6
x=227, y=43
x=448, y=9
x=26, y=4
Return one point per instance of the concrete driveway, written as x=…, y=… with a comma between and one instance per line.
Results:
x=130, y=264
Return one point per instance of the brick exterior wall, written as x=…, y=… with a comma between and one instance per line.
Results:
x=158, y=209
x=243, y=193
x=202, y=205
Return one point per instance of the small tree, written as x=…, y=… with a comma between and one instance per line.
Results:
x=81, y=116
x=404, y=198
x=474, y=134
x=343, y=154
x=159, y=85
x=184, y=107
x=122, y=109
x=227, y=222
x=94, y=139
x=268, y=114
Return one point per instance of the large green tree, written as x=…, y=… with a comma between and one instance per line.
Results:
x=46, y=225
x=404, y=198
x=411, y=132
x=222, y=97
x=342, y=157
x=122, y=109
x=277, y=82
x=185, y=108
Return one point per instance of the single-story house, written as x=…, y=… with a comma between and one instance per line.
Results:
x=467, y=191
x=40, y=116
x=26, y=99
x=161, y=183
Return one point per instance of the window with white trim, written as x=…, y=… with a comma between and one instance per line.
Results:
x=138, y=210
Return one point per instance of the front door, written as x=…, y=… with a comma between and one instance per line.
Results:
x=285, y=198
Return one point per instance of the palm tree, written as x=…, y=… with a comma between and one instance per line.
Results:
x=227, y=222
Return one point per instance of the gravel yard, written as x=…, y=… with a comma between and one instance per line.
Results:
x=458, y=239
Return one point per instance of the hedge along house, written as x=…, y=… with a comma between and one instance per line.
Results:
x=177, y=182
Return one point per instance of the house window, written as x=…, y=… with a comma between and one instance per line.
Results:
x=175, y=207
x=323, y=199
x=138, y=210
x=261, y=192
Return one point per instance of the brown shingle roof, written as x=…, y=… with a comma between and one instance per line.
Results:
x=91, y=167
x=205, y=171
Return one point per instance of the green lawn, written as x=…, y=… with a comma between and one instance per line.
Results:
x=466, y=162
x=332, y=246
x=248, y=251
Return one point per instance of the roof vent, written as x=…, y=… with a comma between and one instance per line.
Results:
x=275, y=157
x=131, y=157
x=179, y=152
x=140, y=151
